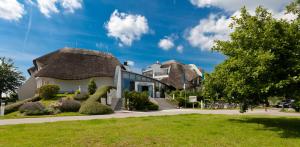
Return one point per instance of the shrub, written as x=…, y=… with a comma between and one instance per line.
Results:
x=92, y=87
x=69, y=106
x=101, y=92
x=94, y=108
x=15, y=106
x=81, y=96
x=33, y=108
x=296, y=106
x=152, y=106
x=48, y=91
x=139, y=101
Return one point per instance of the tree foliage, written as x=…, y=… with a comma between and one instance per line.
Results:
x=262, y=59
x=10, y=77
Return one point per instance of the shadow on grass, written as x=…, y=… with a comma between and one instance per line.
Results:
x=286, y=127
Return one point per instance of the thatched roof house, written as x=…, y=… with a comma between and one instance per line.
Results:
x=71, y=69
x=175, y=74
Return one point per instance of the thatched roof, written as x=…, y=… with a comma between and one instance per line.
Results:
x=75, y=64
x=179, y=74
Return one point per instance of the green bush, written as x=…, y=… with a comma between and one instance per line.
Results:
x=69, y=106
x=152, y=107
x=101, y=92
x=33, y=108
x=139, y=101
x=15, y=106
x=92, y=87
x=81, y=96
x=296, y=106
x=48, y=91
x=94, y=108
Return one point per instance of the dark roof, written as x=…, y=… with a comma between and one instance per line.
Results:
x=179, y=74
x=76, y=64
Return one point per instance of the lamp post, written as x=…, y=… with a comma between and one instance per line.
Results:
x=2, y=107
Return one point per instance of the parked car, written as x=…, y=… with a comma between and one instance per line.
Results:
x=285, y=103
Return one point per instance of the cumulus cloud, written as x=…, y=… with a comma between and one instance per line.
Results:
x=51, y=6
x=126, y=28
x=208, y=30
x=235, y=5
x=166, y=43
x=11, y=10
x=179, y=48
x=216, y=27
x=71, y=5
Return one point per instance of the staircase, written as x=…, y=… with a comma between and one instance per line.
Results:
x=163, y=103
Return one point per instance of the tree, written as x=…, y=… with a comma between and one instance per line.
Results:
x=92, y=87
x=262, y=59
x=10, y=77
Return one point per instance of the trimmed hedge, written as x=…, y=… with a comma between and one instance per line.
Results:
x=15, y=106
x=94, y=108
x=33, y=108
x=69, y=106
x=101, y=92
x=81, y=96
x=48, y=91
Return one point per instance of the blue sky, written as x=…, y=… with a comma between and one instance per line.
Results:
x=141, y=31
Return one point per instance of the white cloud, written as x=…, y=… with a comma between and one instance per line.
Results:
x=11, y=10
x=179, y=48
x=166, y=43
x=51, y=6
x=216, y=28
x=235, y=5
x=126, y=27
x=47, y=7
x=71, y=5
x=208, y=30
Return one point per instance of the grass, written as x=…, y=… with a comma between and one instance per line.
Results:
x=179, y=130
x=17, y=114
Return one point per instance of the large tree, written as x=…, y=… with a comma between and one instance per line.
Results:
x=262, y=58
x=10, y=77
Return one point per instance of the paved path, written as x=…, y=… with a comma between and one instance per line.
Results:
x=125, y=114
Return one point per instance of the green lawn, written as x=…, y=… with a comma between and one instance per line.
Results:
x=180, y=130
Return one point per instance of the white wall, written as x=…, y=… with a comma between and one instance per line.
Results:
x=28, y=89
x=73, y=85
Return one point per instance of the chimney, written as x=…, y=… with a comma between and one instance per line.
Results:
x=125, y=63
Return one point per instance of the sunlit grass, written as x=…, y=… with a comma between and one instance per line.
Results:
x=180, y=130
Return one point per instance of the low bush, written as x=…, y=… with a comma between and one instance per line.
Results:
x=48, y=91
x=94, y=108
x=81, y=96
x=69, y=106
x=15, y=106
x=152, y=106
x=33, y=108
x=139, y=101
x=296, y=106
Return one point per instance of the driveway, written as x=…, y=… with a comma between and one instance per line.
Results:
x=125, y=114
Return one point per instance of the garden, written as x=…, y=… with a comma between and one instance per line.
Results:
x=49, y=102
